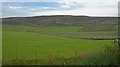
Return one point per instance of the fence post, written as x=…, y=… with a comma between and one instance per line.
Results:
x=36, y=58
x=118, y=50
x=16, y=59
x=58, y=53
x=75, y=55
x=50, y=59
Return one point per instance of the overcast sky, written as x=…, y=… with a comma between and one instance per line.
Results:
x=23, y=8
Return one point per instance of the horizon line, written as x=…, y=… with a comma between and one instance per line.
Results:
x=56, y=15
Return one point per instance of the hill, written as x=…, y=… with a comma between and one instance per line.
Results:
x=60, y=20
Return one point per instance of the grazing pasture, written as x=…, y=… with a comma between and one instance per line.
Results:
x=44, y=41
x=19, y=43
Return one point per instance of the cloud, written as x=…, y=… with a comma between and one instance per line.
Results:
x=94, y=7
x=89, y=7
x=14, y=7
x=79, y=11
x=69, y=4
x=67, y=7
x=47, y=13
x=33, y=9
x=30, y=0
x=38, y=8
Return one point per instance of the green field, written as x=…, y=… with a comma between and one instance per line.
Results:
x=57, y=39
x=52, y=42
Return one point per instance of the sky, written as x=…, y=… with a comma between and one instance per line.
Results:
x=24, y=8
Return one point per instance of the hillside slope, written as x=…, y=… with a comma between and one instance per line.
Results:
x=60, y=20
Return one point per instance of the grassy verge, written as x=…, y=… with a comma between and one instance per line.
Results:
x=110, y=56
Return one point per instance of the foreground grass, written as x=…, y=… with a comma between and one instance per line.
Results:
x=110, y=56
x=28, y=45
